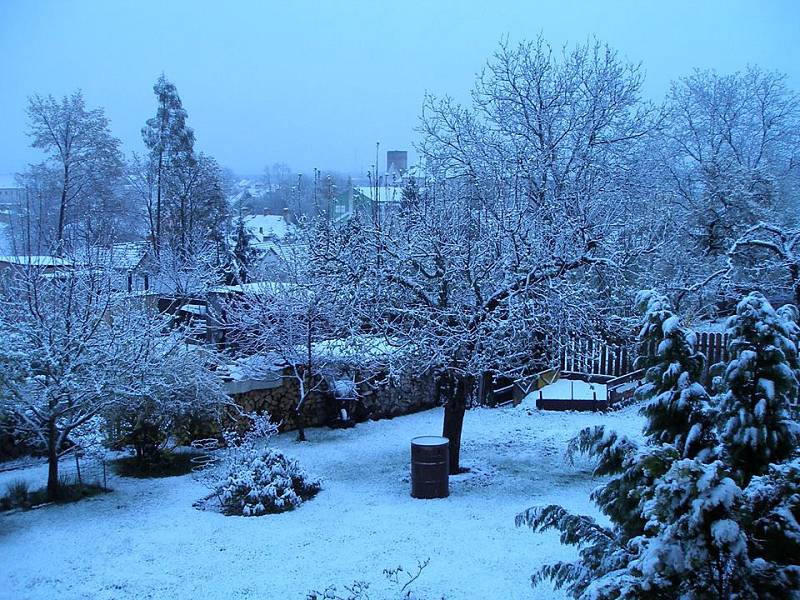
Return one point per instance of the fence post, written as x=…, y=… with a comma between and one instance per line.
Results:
x=78, y=467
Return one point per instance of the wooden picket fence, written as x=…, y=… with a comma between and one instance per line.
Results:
x=714, y=346
x=596, y=357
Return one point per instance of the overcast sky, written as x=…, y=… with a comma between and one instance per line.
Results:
x=316, y=84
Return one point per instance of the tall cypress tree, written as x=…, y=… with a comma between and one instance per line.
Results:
x=170, y=143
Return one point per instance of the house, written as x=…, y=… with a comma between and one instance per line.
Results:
x=48, y=264
x=379, y=202
x=131, y=264
x=11, y=193
x=268, y=228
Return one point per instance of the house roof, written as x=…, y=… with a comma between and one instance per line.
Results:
x=387, y=194
x=128, y=255
x=257, y=287
x=125, y=256
x=36, y=261
x=265, y=226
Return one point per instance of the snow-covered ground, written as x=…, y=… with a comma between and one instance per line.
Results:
x=568, y=389
x=145, y=540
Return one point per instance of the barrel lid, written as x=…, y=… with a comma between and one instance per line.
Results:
x=430, y=440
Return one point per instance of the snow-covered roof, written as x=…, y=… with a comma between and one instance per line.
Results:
x=265, y=287
x=264, y=227
x=355, y=348
x=195, y=309
x=385, y=193
x=124, y=256
x=128, y=255
x=36, y=261
x=258, y=367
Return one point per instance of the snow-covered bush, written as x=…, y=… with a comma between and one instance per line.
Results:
x=264, y=481
x=250, y=479
x=708, y=507
x=772, y=507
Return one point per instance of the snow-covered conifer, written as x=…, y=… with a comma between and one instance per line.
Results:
x=756, y=426
x=772, y=504
x=677, y=409
x=683, y=524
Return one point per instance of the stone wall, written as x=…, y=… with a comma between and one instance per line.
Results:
x=375, y=401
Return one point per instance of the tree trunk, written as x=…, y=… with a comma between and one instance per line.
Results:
x=78, y=466
x=183, y=226
x=52, y=462
x=456, y=388
x=298, y=415
x=157, y=240
x=301, y=432
x=62, y=211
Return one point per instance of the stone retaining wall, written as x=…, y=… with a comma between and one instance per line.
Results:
x=375, y=401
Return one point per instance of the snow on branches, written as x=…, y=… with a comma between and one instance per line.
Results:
x=695, y=516
x=761, y=386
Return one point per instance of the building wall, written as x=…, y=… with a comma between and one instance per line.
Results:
x=12, y=196
x=397, y=160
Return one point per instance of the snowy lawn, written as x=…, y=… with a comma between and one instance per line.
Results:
x=568, y=389
x=145, y=540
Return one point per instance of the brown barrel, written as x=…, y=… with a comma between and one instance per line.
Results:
x=430, y=467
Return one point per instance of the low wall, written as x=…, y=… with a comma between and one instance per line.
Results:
x=374, y=401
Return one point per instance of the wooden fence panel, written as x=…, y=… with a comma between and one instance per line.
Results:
x=594, y=357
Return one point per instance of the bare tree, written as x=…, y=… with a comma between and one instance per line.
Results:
x=522, y=225
x=731, y=151
x=82, y=151
x=298, y=326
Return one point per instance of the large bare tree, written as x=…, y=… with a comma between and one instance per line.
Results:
x=83, y=156
x=522, y=226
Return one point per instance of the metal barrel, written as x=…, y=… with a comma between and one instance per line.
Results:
x=430, y=467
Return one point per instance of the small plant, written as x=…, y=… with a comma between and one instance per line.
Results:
x=359, y=590
x=265, y=481
x=17, y=495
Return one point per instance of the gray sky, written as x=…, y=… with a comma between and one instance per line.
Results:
x=318, y=83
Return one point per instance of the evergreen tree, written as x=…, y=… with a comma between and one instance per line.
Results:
x=772, y=504
x=695, y=548
x=756, y=427
x=170, y=143
x=243, y=254
x=677, y=409
x=683, y=524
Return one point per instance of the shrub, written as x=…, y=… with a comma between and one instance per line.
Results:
x=69, y=491
x=264, y=481
x=163, y=464
x=400, y=577
x=17, y=495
